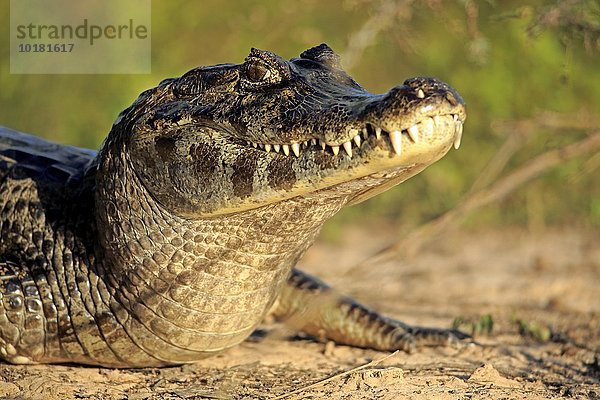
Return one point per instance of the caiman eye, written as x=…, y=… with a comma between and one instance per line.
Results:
x=263, y=69
x=257, y=71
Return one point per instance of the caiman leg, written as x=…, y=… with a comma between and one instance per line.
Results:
x=311, y=306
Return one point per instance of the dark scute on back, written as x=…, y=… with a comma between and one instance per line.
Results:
x=42, y=159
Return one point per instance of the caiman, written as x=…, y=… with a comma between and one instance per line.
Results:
x=176, y=238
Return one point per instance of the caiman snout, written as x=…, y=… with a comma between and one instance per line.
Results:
x=423, y=88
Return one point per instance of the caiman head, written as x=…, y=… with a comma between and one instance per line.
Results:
x=234, y=137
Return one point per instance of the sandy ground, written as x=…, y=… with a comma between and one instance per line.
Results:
x=547, y=284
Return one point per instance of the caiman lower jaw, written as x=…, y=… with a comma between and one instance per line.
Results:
x=391, y=158
x=419, y=132
x=380, y=160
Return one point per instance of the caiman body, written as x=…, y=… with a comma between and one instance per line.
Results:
x=174, y=240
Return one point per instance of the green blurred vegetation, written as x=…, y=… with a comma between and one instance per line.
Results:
x=510, y=60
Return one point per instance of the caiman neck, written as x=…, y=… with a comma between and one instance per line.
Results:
x=221, y=273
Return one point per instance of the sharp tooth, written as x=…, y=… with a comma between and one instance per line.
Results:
x=365, y=133
x=413, y=132
x=378, y=133
x=277, y=147
x=336, y=150
x=437, y=120
x=348, y=148
x=267, y=147
x=357, y=140
x=396, y=139
x=427, y=127
x=420, y=94
x=313, y=141
x=262, y=146
x=306, y=144
x=323, y=145
x=286, y=149
x=455, y=117
x=254, y=145
x=458, y=135
x=296, y=149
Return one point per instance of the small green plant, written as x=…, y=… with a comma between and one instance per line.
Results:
x=534, y=329
x=476, y=326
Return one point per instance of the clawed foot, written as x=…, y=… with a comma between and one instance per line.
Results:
x=410, y=338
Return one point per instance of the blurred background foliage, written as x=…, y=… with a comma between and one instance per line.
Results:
x=528, y=65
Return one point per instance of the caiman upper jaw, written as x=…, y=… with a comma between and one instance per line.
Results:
x=423, y=128
x=414, y=110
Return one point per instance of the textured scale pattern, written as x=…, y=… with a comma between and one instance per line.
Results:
x=174, y=240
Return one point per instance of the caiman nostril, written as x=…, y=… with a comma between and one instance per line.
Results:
x=451, y=99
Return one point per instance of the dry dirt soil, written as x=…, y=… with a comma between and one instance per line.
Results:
x=541, y=290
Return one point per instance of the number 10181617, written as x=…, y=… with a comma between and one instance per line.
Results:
x=46, y=48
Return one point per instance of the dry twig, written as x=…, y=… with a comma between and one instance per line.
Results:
x=336, y=376
x=413, y=242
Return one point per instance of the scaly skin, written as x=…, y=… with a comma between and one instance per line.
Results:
x=173, y=242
